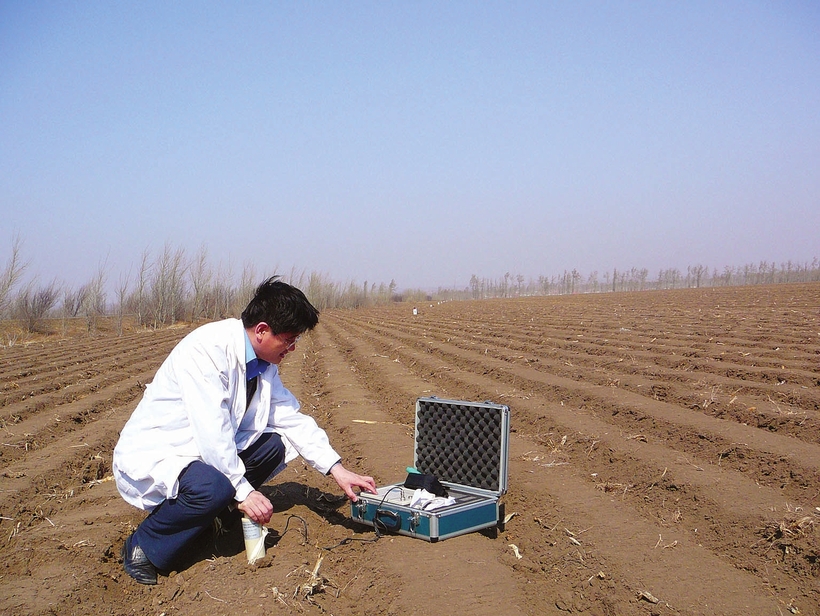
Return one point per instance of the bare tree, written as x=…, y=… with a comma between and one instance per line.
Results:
x=643, y=274
x=122, y=300
x=142, y=286
x=220, y=296
x=323, y=293
x=178, y=290
x=247, y=284
x=296, y=278
x=72, y=303
x=201, y=277
x=696, y=275
x=93, y=305
x=168, y=286
x=11, y=274
x=575, y=281
x=506, y=285
x=33, y=305
x=592, y=282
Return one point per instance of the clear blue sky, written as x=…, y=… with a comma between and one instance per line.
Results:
x=417, y=141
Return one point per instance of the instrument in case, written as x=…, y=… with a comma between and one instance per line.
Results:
x=465, y=445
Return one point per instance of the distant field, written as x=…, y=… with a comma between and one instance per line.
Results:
x=664, y=460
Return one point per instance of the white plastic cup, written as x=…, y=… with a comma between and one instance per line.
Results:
x=254, y=539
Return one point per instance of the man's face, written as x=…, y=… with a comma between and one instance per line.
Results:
x=272, y=347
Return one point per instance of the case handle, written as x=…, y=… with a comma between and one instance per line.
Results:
x=386, y=521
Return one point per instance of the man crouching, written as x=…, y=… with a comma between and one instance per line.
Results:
x=214, y=425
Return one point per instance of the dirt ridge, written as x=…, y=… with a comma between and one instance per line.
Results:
x=663, y=460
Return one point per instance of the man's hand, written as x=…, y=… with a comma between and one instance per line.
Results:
x=348, y=480
x=257, y=507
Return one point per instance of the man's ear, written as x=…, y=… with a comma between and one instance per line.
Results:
x=260, y=329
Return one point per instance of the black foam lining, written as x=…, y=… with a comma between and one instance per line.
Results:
x=460, y=443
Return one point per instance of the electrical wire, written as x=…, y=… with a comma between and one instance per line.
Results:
x=378, y=527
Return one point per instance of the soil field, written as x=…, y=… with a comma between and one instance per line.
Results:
x=664, y=459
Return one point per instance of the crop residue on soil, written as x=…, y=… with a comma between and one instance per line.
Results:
x=664, y=460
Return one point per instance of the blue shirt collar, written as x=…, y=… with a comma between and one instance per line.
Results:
x=253, y=365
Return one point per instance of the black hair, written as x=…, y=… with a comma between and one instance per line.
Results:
x=282, y=306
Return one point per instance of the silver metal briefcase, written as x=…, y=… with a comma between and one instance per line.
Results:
x=466, y=446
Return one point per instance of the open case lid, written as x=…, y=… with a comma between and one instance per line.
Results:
x=464, y=443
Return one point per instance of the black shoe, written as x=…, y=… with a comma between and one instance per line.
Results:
x=136, y=563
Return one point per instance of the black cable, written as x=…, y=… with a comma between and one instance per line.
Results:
x=304, y=524
x=378, y=527
x=347, y=540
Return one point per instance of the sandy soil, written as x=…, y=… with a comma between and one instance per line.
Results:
x=664, y=460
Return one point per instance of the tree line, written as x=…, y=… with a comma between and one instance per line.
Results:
x=174, y=286
x=167, y=287
x=634, y=279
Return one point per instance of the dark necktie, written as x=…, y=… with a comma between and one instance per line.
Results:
x=251, y=389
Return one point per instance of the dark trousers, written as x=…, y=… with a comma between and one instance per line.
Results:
x=204, y=493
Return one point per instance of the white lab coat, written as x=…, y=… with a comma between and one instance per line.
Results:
x=195, y=410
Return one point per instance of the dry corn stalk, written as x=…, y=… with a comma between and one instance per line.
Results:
x=316, y=583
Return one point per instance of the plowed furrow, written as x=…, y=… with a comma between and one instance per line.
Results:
x=421, y=360
x=597, y=320
x=385, y=398
x=78, y=388
x=62, y=353
x=35, y=486
x=768, y=353
x=77, y=363
x=773, y=460
x=681, y=359
x=40, y=430
x=367, y=362
x=791, y=411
